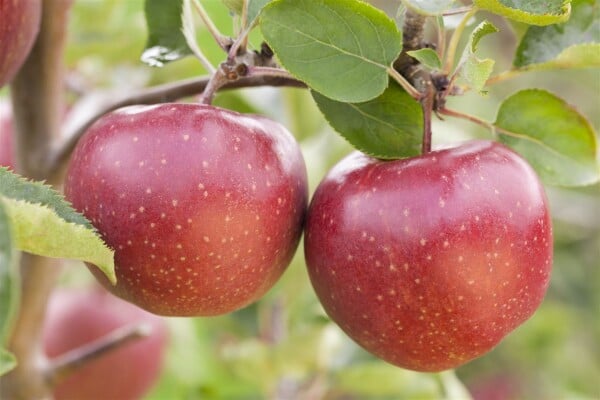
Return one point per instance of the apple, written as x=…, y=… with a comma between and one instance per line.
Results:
x=78, y=317
x=19, y=26
x=429, y=262
x=7, y=156
x=203, y=206
x=501, y=387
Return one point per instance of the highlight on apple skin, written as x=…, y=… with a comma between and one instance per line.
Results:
x=429, y=262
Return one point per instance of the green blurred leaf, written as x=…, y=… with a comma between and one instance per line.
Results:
x=389, y=126
x=166, y=41
x=340, y=49
x=430, y=7
x=235, y=6
x=573, y=44
x=9, y=282
x=44, y=223
x=7, y=361
x=472, y=69
x=254, y=9
x=554, y=137
x=427, y=57
x=379, y=380
x=530, y=12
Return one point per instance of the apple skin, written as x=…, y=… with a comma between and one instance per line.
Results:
x=203, y=206
x=429, y=262
x=19, y=26
x=7, y=156
x=77, y=317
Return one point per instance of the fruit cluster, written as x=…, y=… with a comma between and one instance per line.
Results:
x=425, y=262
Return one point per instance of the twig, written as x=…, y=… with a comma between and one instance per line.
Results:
x=410, y=89
x=468, y=117
x=506, y=75
x=427, y=103
x=455, y=39
x=158, y=94
x=64, y=365
x=223, y=41
x=217, y=79
x=189, y=33
x=458, y=10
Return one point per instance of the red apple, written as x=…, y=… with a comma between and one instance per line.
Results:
x=78, y=317
x=203, y=206
x=7, y=156
x=19, y=26
x=429, y=262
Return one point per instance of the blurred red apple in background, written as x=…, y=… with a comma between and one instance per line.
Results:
x=7, y=150
x=19, y=25
x=78, y=317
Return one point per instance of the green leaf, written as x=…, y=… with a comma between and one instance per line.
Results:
x=379, y=380
x=15, y=187
x=558, y=141
x=235, y=6
x=39, y=230
x=9, y=282
x=472, y=69
x=430, y=7
x=427, y=57
x=531, y=12
x=341, y=49
x=7, y=361
x=166, y=41
x=44, y=223
x=389, y=126
x=254, y=9
x=571, y=44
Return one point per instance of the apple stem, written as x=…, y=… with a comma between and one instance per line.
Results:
x=59, y=156
x=218, y=79
x=62, y=366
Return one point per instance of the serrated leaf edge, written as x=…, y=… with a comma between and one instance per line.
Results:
x=109, y=269
x=357, y=147
x=53, y=192
x=516, y=14
x=273, y=3
x=567, y=105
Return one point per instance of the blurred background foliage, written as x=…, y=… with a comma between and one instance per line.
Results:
x=284, y=346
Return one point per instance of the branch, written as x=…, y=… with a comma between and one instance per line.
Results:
x=158, y=94
x=64, y=365
x=37, y=96
x=427, y=104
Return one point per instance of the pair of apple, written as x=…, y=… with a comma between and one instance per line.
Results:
x=426, y=262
